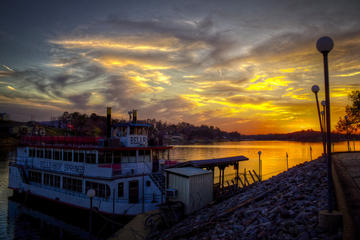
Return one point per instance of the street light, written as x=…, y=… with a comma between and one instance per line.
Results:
x=347, y=131
x=91, y=194
x=323, y=103
x=315, y=89
x=260, y=166
x=324, y=45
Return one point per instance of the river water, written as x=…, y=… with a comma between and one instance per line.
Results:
x=19, y=221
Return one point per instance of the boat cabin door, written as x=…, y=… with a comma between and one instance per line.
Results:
x=155, y=162
x=134, y=191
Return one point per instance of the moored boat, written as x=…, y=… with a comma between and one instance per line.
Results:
x=122, y=168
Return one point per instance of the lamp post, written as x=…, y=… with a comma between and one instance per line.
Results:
x=260, y=166
x=91, y=194
x=323, y=104
x=347, y=132
x=315, y=89
x=324, y=45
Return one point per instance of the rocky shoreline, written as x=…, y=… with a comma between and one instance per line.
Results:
x=285, y=206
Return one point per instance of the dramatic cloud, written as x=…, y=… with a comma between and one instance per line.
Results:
x=245, y=66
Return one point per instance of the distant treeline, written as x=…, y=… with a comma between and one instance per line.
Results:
x=191, y=133
x=77, y=124
x=95, y=125
x=301, y=136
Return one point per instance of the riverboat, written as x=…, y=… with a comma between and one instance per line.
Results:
x=123, y=169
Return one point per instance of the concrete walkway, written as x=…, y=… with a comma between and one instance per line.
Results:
x=135, y=229
x=346, y=174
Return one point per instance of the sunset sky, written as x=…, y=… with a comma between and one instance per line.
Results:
x=244, y=66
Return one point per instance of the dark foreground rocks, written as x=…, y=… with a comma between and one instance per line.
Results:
x=283, y=207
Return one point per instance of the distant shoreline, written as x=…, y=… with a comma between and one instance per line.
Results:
x=255, y=140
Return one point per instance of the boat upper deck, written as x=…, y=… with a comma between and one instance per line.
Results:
x=81, y=143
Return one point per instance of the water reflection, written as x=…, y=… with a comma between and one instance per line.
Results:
x=273, y=154
x=27, y=223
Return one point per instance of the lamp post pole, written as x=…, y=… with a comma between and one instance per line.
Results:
x=315, y=89
x=324, y=45
x=323, y=103
x=260, y=166
x=347, y=132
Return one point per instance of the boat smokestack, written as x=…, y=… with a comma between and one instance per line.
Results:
x=108, y=122
x=134, y=116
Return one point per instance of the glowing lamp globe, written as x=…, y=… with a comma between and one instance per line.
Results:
x=315, y=89
x=324, y=44
x=323, y=103
x=91, y=193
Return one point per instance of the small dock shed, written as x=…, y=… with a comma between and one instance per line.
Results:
x=194, y=186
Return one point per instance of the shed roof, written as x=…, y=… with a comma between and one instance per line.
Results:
x=213, y=162
x=187, y=171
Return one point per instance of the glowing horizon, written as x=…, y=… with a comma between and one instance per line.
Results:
x=231, y=69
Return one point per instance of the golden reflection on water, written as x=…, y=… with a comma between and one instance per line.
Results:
x=273, y=154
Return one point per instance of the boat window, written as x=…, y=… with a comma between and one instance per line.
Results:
x=81, y=156
x=67, y=155
x=108, y=157
x=132, y=130
x=122, y=131
x=132, y=156
x=148, y=183
x=51, y=180
x=35, y=176
x=101, y=190
x=31, y=152
x=56, y=181
x=124, y=157
x=143, y=131
x=57, y=155
x=48, y=154
x=72, y=184
x=90, y=157
x=120, y=190
x=147, y=156
x=104, y=157
x=101, y=157
x=40, y=153
x=141, y=156
x=117, y=157
x=76, y=156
